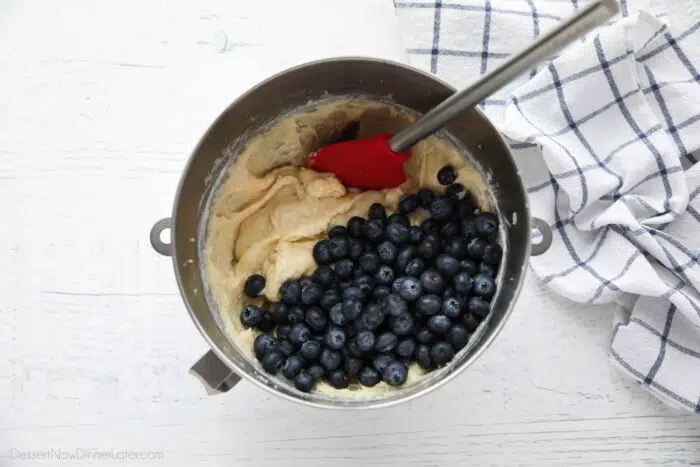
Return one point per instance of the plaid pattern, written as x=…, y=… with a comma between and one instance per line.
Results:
x=604, y=136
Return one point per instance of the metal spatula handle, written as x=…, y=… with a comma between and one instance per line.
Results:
x=545, y=46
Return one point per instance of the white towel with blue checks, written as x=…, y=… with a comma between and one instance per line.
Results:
x=604, y=136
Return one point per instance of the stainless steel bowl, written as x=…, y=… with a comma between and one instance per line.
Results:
x=224, y=365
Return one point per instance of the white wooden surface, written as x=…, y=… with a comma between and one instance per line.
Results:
x=100, y=103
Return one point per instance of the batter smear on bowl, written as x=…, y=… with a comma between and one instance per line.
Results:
x=335, y=288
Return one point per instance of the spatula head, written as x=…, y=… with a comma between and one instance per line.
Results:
x=367, y=164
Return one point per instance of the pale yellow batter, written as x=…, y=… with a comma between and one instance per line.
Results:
x=268, y=210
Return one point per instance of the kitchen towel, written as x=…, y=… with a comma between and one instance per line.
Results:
x=604, y=136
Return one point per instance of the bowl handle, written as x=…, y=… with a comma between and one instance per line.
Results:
x=544, y=239
x=159, y=245
x=215, y=375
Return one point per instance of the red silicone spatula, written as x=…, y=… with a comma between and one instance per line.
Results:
x=376, y=163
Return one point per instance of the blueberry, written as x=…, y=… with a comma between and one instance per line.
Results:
x=455, y=191
x=343, y=269
x=487, y=269
x=458, y=336
x=266, y=324
x=493, y=254
x=447, y=265
x=479, y=307
x=299, y=334
x=337, y=231
x=441, y=353
x=409, y=203
x=286, y=347
x=433, y=237
x=395, y=305
x=377, y=211
x=396, y=285
x=451, y=307
x=432, y=281
x=263, y=344
x=251, y=316
x=273, y=361
x=399, y=218
x=422, y=357
x=449, y=229
x=441, y=208
x=406, y=347
x=366, y=285
x=446, y=175
x=323, y=275
x=338, y=379
x=344, y=284
x=448, y=292
x=296, y=315
x=468, y=266
x=329, y=298
x=397, y=233
x=353, y=292
x=483, y=286
x=372, y=317
x=475, y=248
x=374, y=230
x=356, y=249
x=410, y=289
x=468, y=228
x=382, y=361
x=352, y=349
x=292, y=366
x=365, y=340
x=304, y=281
x=322, y=252
x=402, y=324
x=470, y=321
x=356, y=227
x=369, y=377
x=335, y=338
x=330, y=359
x=415, y=235
x=380, y=292
x=311, y=294
x=466, y=206
x=353, y=366
x=316, y=318
x=430, y=226
x=415, y=267
x=428, y=248
x=279, y=313
x=290, y=292
x=385, y=342
x=425, y=196
x=405, y=256
x=387, y=252
x=463, y=283
x=369, y=262
x=352, y=307
x=316, y=372
x=282, y=331
x=310, y=350
x=395, y=374
x=428, y=305
x=486, y=224
x=425, y=336
x=384, y=275
x=339, y=247
x=439, y=324
x=304, y=382
x=254, y=285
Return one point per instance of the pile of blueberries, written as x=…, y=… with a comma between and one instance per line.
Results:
x=385, y=294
